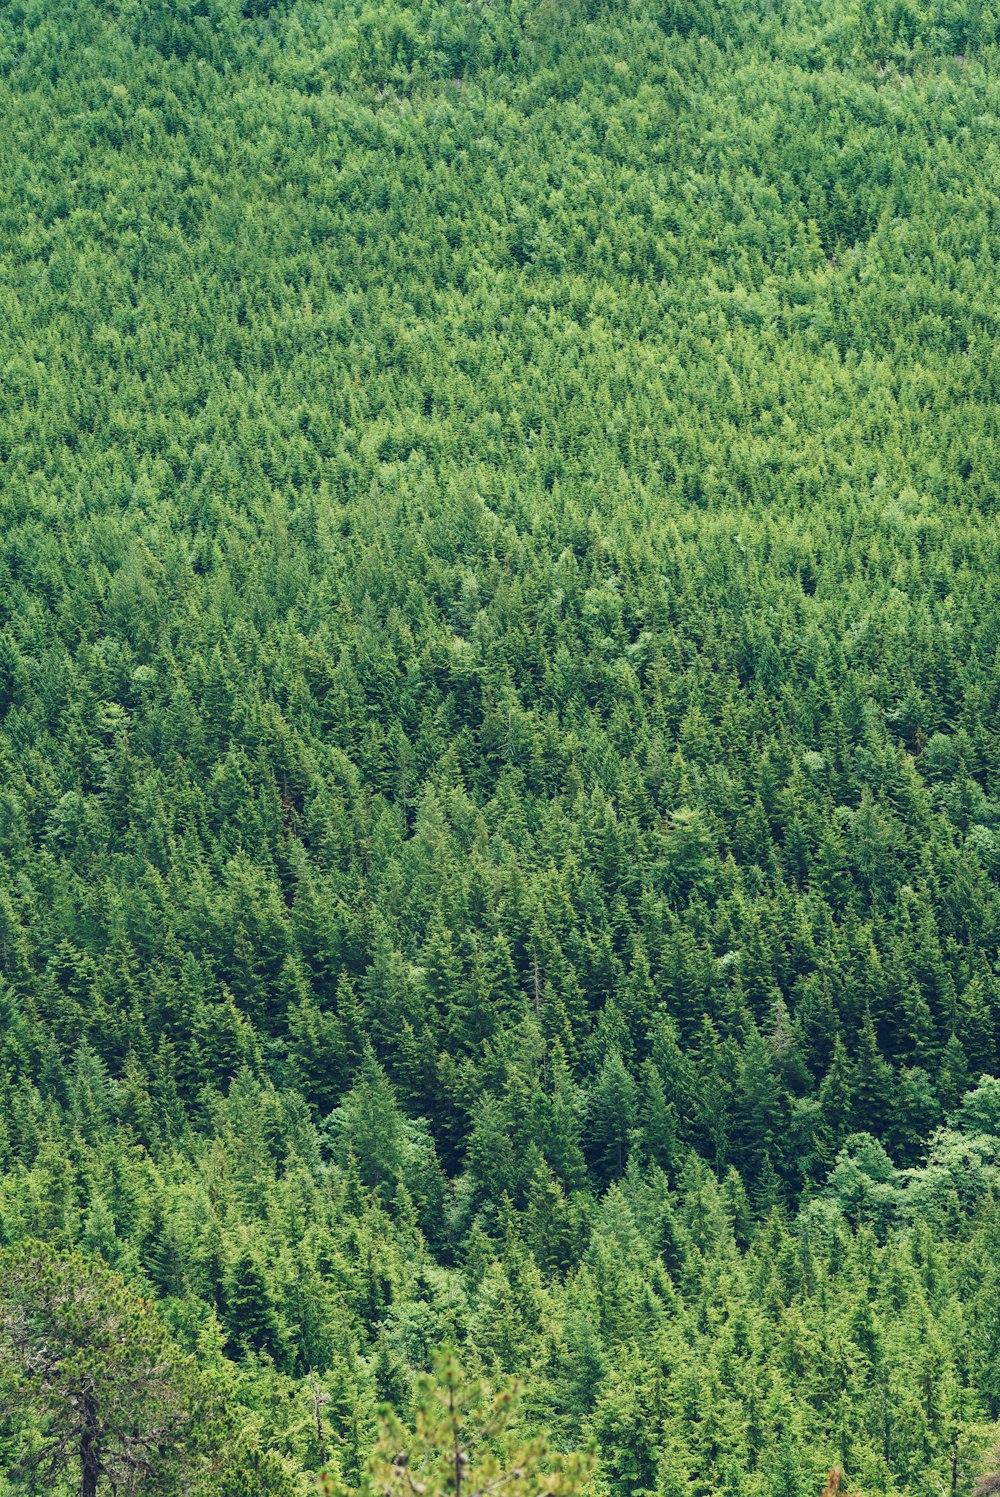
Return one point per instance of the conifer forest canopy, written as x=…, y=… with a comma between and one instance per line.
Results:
x=499, y=753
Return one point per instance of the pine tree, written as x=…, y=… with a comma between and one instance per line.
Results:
x=836, y=1096
x=612, y=1113
x=93, y=1377
x=657, y=1120
x=464, y=1442
x=252, y=1322
x=871, y=1083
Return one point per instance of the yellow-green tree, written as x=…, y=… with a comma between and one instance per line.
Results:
x=463, y=1440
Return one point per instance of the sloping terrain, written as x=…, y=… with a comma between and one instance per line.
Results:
x=499, y=675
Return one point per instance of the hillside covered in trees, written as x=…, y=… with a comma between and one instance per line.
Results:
x=499, y=705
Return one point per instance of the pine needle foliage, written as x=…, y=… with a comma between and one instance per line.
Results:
x=464, y=1440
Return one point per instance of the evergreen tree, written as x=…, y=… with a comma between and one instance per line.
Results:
x=90, y=1369
x=611, y=1116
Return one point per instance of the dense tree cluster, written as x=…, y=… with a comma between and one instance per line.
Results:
x=499, y=686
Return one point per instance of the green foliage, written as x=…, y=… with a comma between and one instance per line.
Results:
x=500, y=797
x=90, y=1378
x=463, y=1439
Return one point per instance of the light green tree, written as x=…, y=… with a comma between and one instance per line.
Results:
x=464, y=1440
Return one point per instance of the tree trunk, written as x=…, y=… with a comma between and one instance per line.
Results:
x=90, y=1464
x=89, y=1472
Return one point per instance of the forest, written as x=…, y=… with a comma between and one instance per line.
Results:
x=500, y=743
